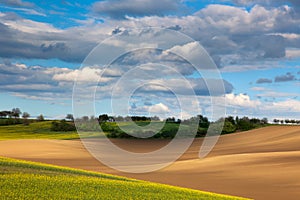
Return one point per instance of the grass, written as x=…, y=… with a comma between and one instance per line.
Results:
x=35, y=130
x=29, y=180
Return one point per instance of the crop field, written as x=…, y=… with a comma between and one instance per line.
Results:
x=29, y=180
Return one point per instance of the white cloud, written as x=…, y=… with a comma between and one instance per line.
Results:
x=159, y=108
x=292, y=53
x=241, y=100
x=243, y=105
x=189, y=50
x=259, y=89
x=289, y=36
x=85, y=75
x=260, y=33
x=30, y=26
x=288, y=106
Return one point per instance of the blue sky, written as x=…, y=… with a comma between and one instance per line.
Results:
x=254, y=44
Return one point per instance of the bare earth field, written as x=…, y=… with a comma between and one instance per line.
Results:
x=260, y=164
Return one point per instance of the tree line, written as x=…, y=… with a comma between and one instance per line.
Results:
x=16, y=116
x=286, y=121
x=108, y=124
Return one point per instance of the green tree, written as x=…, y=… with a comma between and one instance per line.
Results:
x=203, y=121
x=62, y=125
x=16, y=112
x=244, y=124
x=70, y=117
x=25, y=117
x=3, y=114
x=228, y=127
x=264, y=120
x=103, y=118
x=231, y=119
x=40, y=118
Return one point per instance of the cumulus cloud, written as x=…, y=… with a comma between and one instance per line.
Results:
x=33, y=82
x=290, y=106
x=38, y=82
x=232, y=35
x=251, y=35
x=159, y=108
x=135, y=8
x=85, y=75
x=196, y=86
x=243, y=104
x=241, y=100
x=263, y=80
x=22, y=38
x=236, y=37
x=284, y=78
x=292, y=53
x=270, y=3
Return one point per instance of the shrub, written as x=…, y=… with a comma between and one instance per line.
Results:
x=228, y=127
x=40, y=118
x=10, y=121
x=62, y=126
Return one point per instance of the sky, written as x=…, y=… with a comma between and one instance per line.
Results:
x=51, y=51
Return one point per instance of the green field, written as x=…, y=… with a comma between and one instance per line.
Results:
x=35, y=130
x=29, y=180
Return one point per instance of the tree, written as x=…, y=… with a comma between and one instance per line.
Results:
x=70, y=117
x=62, y=125
x=3, y=114
x=40, y=118
x=255, y=121
x=9, y=114
x=16, y=112
x=92, y=117
x=25, y=116
x=119, y=119
x=228, y=127
x=103, y=118
x=230, y=119
x=171, y=119
x=203, y=121
x=264, y=120
x=237, y=120
x=244, y=124
x=85, y=118
x=155, y=118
